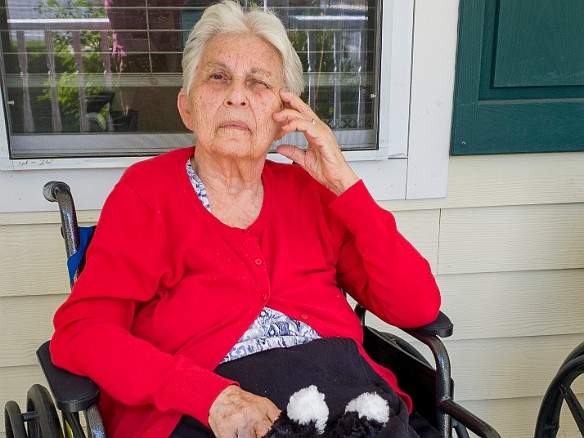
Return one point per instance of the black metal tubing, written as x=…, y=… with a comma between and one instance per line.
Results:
x=444, y=387
x=428, y=335
x=470, y=421
x=95, y=423
x=447, y=407
x=461, y=431
x=72, y=420
x=59, y=192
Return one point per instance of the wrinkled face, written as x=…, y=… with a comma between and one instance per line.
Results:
x=234, y=94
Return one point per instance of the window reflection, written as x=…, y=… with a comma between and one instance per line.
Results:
x=111, y=66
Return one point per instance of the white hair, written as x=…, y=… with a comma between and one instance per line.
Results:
x=228, y=17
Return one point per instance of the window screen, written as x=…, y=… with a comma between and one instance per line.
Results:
x=91, y=78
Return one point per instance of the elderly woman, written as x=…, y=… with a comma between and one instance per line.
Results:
x=211, y=289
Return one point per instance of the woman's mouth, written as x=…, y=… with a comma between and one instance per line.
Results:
x=234, y=124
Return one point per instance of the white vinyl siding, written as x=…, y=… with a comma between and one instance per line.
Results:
x=506, y=246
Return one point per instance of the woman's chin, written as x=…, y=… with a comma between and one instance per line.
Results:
x=243, y=150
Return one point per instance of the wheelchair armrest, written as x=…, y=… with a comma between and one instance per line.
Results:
x=72, y=393
x=467, y=418
x=431, y=389
x=441, y=327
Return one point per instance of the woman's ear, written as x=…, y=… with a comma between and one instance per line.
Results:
x=184, y=109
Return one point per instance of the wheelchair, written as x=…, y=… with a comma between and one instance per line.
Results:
x=76, y=397
x=558, y=392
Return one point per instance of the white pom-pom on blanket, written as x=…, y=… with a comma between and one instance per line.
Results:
x=370, y=405
x=308, y=405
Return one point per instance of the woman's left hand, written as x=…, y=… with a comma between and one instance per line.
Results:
x=323, y=158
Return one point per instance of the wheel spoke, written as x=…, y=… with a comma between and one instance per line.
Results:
x=574, y=405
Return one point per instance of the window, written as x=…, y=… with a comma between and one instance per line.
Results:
x=99, y=78
x=418, y=51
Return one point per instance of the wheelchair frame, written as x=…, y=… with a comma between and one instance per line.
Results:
x=431, y=388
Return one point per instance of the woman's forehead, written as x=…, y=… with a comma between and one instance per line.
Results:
x=248, y=52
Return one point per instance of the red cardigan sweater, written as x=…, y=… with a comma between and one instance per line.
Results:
x=168, y=289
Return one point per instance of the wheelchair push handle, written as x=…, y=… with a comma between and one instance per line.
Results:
x=59, y=192
x=52, y=189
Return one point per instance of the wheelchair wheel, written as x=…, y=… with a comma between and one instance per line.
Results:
x=46, y=425
x=13, y=421
x=560, y=391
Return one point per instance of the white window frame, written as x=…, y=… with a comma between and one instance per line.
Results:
x=417, y=81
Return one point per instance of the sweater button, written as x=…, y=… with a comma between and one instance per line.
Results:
x=264, y=297
x=258, y=262
x=304, y=316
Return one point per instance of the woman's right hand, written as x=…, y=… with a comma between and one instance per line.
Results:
x=236, y=412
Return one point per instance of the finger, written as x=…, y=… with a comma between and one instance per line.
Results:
x=293, y=101
x=274, y=413
x=293, y=153
x=227, y=430
x=288, y=116
x=302, y=125
x=262, y=427
x=313, y=132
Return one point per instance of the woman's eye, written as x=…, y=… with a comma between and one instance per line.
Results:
x=217, y=76
x=259, y=85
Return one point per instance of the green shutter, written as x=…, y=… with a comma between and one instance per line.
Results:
x=519, y=77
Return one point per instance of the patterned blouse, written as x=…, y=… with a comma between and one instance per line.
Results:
x=271, y=329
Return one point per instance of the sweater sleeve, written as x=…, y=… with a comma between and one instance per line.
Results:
x=125, y=263
x=378, y=267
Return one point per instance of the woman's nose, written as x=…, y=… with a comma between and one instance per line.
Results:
x=237, y=94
